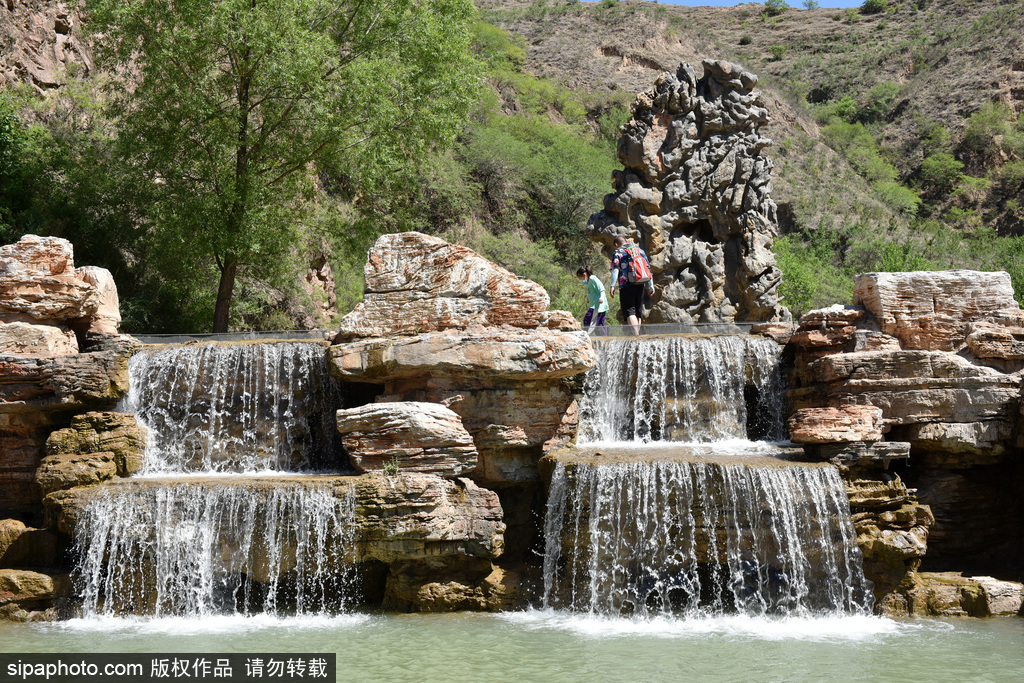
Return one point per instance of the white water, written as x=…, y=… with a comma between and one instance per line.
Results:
x=682, y=389
x=234, y=407
x=698, y=539
x=198, y=550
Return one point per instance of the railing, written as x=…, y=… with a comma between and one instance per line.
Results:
x=234, y=336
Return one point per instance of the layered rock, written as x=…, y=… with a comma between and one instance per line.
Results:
x=29, y=595
x=937, y=357
x=949, y=594
x=415, y=437
x=39, y=394
x=440, y=324
x=695, y=193
x=40, y=285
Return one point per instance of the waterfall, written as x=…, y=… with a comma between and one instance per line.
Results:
x=226, y=548
x=652, y=538
x=683, y=388
x=235, y=407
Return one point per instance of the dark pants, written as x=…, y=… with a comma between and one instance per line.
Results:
x=590, y=316
x=631, y=299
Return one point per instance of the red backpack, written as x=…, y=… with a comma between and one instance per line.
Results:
x=636, y=267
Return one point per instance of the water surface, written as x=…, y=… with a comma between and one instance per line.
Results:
x=553, y=646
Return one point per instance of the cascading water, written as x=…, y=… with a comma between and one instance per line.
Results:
x=695, y=389
x=196, y=550
x=636, y=525
x=234, y=407
x=651, y=538
x=176, y=542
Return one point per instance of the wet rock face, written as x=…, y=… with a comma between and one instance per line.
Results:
x=440, y=324
x=695, y=193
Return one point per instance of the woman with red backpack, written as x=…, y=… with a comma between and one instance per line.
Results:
x=631, y=274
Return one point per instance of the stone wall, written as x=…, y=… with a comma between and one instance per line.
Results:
x=695, y=193
x=914, y=392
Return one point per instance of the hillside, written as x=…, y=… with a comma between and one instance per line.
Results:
x=898, y=144
x=859, y=101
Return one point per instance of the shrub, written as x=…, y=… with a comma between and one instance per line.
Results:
x=874, y=6
x=942, y=171
x=897, y=197
x=877, y=102
x=811, y=4
x=901, y=258
x=777, y=51
x=746, y=40
x=774, y=8
x=986, y=123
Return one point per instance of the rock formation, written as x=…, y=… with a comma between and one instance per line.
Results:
x=935, y=357
x=41, y=42
x=417, y=437
x=438, y=323
x=695, y=194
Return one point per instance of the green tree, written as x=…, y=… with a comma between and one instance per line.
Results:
x=774, y=8
x=942, y=171
x=229, y=107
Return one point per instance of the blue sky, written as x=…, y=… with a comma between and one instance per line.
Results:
x=798, y=4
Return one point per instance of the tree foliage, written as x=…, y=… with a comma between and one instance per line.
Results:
x=227, y=107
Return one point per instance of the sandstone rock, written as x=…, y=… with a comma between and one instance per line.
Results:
x=118, y=434
x=836, y=315
x=1000, y=335
x=421, y=437
x=946, y=594
x=478, y=353
x=884, y=493
x=107, y=317
x=913, y=386
x=988, y=440
x=420, y=516
x=34, y=256
x=42, y=340
x=930, y=310
x=1003, y=598
x=780, y=333
x=862, y=454
x=831, y=425
x=38, y=282
x=30, y=595
x=58, y=472
x=39, y=395
x=696, y=194
x=416, y=283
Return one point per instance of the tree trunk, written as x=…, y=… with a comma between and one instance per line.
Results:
x=224, y=293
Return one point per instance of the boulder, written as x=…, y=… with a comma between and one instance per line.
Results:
x=946, y=594
x=116, y=434
x=38, y=283
x=419, y=437
x=107, y=317
x=416, y=283
x=930, y=310
x=479, y=353
x=854, y=454
x=27, y=595
x=695, y=193
x=440, y=586
x=1002, y=598
x=40, y=340
x=832, y=425
x=58, y=472
x=1000, y=336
